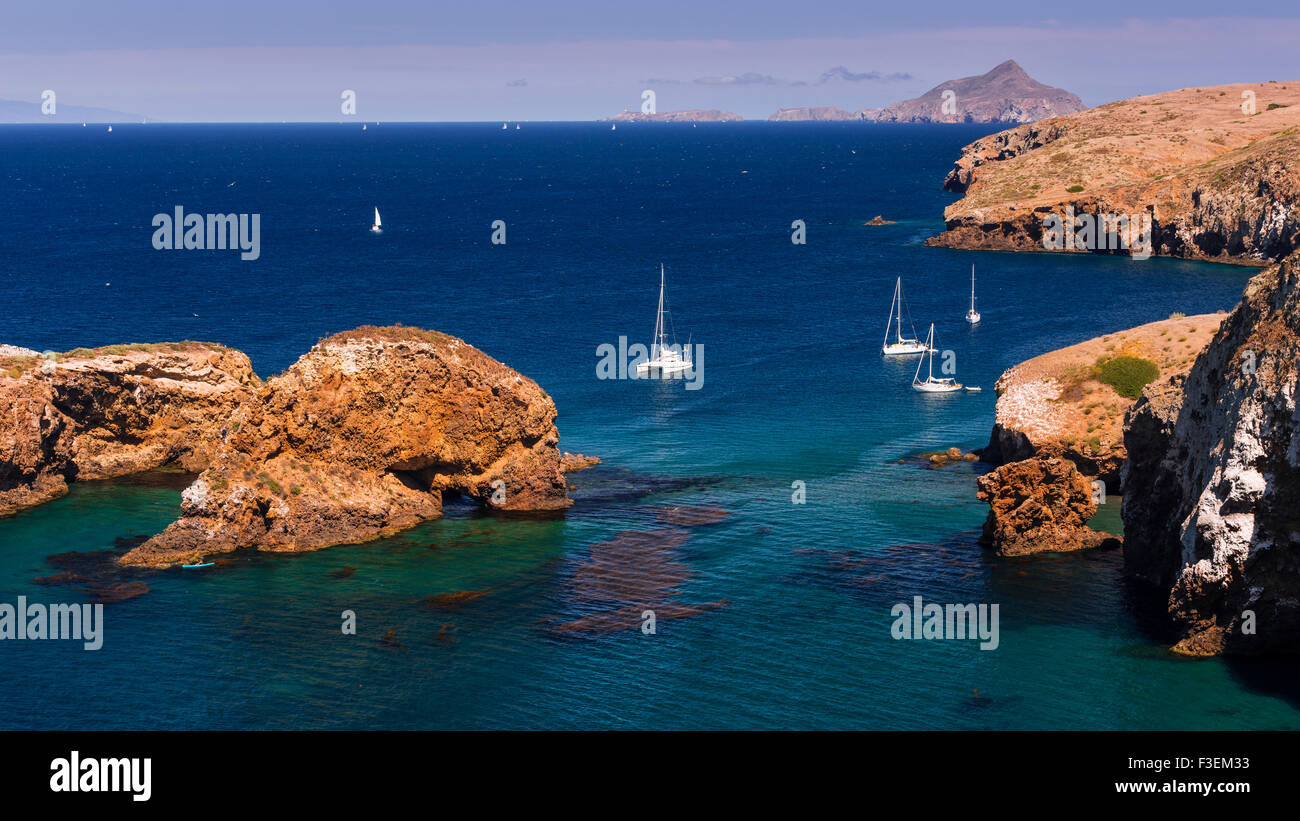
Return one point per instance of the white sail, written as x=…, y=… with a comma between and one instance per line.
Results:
x=378, y=222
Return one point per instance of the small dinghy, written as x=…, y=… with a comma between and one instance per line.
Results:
x=973, y=389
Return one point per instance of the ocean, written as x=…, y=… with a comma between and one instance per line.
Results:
x=793, y=628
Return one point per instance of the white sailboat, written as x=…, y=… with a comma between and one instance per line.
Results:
x=378, y=227
x=972, y=316
x=932, y=385
x=663, y=359
x=503, y=126
x=901, y=345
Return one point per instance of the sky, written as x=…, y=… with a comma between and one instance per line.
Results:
x=269, y=60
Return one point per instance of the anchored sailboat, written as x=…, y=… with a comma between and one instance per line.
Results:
x=664, y=359
x=378, y=227
x=972, y=316
x=932, y=385
x=901, y=345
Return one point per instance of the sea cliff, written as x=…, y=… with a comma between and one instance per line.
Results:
x=1217, y=182
x=1212, y=510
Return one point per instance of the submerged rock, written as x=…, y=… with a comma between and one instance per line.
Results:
x=690, y=515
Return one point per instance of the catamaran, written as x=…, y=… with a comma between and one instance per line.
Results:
x=901, y=345
x=972, y=316
x=664, y=359
x=932, y=385
x=378, y=227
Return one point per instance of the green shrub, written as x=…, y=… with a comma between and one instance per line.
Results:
x=1128, y=375
x=1074, y=189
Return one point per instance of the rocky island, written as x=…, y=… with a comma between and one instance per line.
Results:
x=697, y=115
x=359, y=438
x=1004, y=94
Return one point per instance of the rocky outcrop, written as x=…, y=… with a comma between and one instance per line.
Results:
x=1004, y=94
x=697, y=115
x=574, y=462
x=1217, y=183
x=1212, y=512
x=1039, y=505
x=360, y=438
x=1058, y=404
x=105, y=412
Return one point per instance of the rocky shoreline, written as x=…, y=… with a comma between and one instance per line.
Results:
x=1217, y=183
x=359, y=438
x=1201, y=432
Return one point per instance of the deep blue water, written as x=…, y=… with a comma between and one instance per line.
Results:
x=794, y=389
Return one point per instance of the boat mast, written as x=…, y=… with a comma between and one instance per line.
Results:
x=929, y=347
x=898, y=293
x=972, y=288
x=659, y=317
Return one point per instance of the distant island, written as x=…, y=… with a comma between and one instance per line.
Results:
x=29, y=111
x=697, y=115
x=1006, y=94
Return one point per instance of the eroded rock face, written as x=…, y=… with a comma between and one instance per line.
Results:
x=95, y=414
x=1039, y=505
x=360, y=438
x=1212, y=513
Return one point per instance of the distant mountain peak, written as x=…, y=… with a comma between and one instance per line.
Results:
x=1008, y=68
x=1004, y=94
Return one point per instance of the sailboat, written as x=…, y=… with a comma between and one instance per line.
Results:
x=664, y=359
x=901, y=345
x=932, y=385
x=613, y=126
x=378, y=227
x=363, y=126
x=110, y=129
x=972, y=316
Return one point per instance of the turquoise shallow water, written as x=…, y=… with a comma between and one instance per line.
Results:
x=794, y=390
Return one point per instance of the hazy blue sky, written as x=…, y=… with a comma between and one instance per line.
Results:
x=585, y=59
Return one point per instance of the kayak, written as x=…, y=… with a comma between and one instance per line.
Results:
x=204, y=564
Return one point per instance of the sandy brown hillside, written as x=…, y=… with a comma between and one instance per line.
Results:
x=1055, y=404
x=1220, y=184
